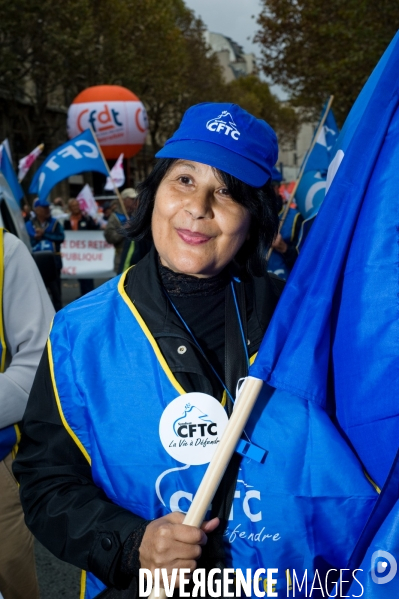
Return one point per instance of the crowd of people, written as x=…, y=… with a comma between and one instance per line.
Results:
x=46, y=223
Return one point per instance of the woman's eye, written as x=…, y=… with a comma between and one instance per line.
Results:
x=225, y=192
x=185, y=180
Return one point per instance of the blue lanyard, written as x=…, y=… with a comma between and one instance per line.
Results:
x=200, y=348
x=244, y=448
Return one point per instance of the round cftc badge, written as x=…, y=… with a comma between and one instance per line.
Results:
x=191, y=427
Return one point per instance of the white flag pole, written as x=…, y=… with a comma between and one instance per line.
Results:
x=116, y=190
x=221, y=458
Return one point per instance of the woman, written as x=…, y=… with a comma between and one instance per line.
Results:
x=102, y=484
x=210, y=229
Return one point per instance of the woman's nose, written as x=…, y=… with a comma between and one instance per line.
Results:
x=199, y=205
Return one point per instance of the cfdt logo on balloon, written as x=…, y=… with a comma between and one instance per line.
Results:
x=116, y=115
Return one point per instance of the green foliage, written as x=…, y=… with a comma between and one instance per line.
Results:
x=52, y=50
x=255, y=96
x=315, y=49
x=169, y=67
x=41, y=56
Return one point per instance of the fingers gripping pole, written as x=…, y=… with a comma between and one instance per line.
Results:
x=217, y=467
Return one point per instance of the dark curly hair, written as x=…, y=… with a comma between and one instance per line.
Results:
x=261, y=203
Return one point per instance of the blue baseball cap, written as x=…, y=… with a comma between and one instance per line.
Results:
x=38, y=202
x=228, y=138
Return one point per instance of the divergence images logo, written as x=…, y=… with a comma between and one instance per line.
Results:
x=383, y=563
x=224, y=123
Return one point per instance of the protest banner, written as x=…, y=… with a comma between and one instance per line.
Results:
x=86, y=255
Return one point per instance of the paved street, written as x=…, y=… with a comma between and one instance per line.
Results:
x=57, y=579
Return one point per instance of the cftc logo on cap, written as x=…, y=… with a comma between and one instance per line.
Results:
x=224, y=123
x=383, y=563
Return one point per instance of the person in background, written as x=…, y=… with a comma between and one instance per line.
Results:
x=117, y=219
x=24, y=324
x=79, y=221
x=27, y=212
x=57, y=209
x=285, y=253
x=104, y=214
x=107, y=210
x=133, y=250
x=46, y=235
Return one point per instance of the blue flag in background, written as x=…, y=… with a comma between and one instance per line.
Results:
x=78, y=155
x=312, y=188
x=9, y=174
x=339, y=347
x=320, y=157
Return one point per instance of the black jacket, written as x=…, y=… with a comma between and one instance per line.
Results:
x=63, y=507
x=86, y=223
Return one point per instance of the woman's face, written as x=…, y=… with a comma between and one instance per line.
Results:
x=197, y=227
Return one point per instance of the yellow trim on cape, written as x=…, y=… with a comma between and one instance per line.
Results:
x=57, y=399
x=376, y=487
x=252, y=359
x=14, y=450
x=2, y=335
x=154, y=345
x=18, y=433
x=82, y=585
x=293, y=226
x=149, y=336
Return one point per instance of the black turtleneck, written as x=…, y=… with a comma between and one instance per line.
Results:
x=204, y=317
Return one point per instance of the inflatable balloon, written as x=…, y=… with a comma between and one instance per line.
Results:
x=116, y=115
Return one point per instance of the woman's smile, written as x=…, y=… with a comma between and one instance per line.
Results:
x=192, y=237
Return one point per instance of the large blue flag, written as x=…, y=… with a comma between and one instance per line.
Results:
x=9, y=174
x=78, y=155
x=312, y=188
x=377, y=550
x=333, y=341
x=339, y=347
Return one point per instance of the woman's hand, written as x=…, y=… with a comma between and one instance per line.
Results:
x=167, y=543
